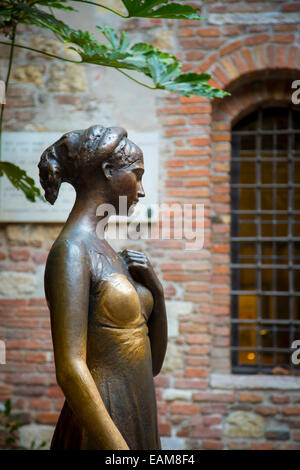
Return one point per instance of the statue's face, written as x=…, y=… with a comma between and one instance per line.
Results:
x=127, y=181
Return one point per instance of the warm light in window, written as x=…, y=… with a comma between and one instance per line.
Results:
x=263, y=332
x=251, y=356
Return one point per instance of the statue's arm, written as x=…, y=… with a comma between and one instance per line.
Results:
x=67, y=283
x=158, y=331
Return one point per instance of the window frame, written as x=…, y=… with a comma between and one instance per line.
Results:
x=235, y=211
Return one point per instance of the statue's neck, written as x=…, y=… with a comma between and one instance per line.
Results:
x=83, y=216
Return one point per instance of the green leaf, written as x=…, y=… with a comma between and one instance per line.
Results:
x=7, y=404
x=124, y=42
x=21, y=181
x=188, y=85
x=163, y=68
x=110, y=35
x=158, y=9
x=59, y=4
x=156, y=68
x=43, y=20
x=10, y=440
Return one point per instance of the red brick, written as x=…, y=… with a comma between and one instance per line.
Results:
x=33, y=312
x=198, y=339
x=197, y=361
x=218, y=9
x=40, y=257
x=188, y=193
x=175, y=163
x=221, y=137
x=198, y=141
x=5, y=391
x=292, y=54
x=172, y=267
x=278, y=399
x=162, y=381
x=42, y=404
x=67, y=99
x=289, y=447
x=212, y=445
x=203, y=432
x=188, y=173
x=47, y=418
x=256, y=39
x=248, y=59
x=221, y=341
x=196, y=372
x=170, y=121
x=231, y=47
x=239, y=63
x=285, y=38
x=221, y=75
x=271, y=55
x=296, y=436
x=194, y=55
x=289, y=7
x=37, y=302
x=184, y=432
x=262, y=446
x=207, y=63
x=258, y=28
x=197, y=288
x=201, y=44
x=184, y=408
x=238, y=445
x=19, y=255
x=164, y=429
x=187, y=384
x=233, y=30
x=208, y=32
x=266, y=410
x=201, y=120
x=214, y=397
x=219, y=310
x=186, y=32
x=55, y=392
x=210, y=420
x=147, y=23
x=179, y=277
x=250, y=397
x=291, y=410
x=285, y=27
x=35, y=357
x=198, y=350
x=186, y=109
x=221, y=331
x=11, y=303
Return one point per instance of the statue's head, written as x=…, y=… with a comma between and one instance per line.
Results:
x=97, y=158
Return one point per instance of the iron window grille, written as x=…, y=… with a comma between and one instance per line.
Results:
x=265, y=240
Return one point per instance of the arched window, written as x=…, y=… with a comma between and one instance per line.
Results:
x=265, y=240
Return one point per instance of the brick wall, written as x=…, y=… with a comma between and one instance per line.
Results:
x=251, y=49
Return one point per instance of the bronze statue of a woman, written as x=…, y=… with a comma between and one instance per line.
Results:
x=108, y=317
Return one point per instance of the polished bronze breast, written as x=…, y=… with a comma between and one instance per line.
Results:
x=121, y=304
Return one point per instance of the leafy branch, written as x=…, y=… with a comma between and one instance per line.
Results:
x=9, y=425
x=162, y=68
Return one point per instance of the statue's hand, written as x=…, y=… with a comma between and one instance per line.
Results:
x=142, y=270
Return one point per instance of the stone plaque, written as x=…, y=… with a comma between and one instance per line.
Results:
x=25, y=148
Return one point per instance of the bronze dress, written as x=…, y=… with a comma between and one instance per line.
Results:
x=119, y=359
